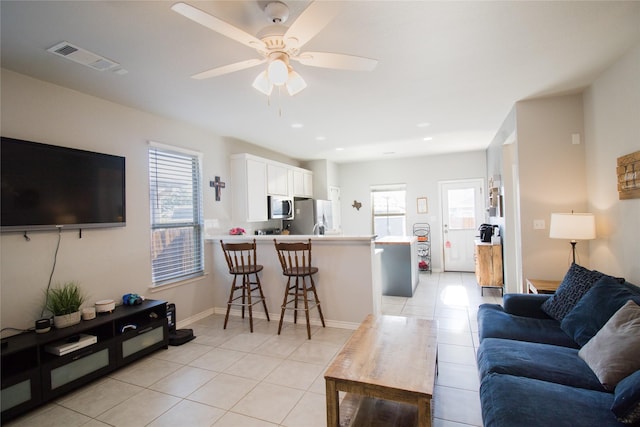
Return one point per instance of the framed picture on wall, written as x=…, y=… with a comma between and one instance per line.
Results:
x=628, y=172
x=422, y=205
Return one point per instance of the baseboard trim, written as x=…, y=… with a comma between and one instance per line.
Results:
x=260, y=315
x=199, y=316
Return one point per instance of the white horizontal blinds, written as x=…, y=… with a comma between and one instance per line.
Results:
x=389, y=209
x=176, y=215
x=389, y=199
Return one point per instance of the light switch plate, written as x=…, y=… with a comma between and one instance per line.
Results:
x=539, y=224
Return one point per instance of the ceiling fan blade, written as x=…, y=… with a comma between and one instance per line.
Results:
x=310, y=22
x=228, y=69
x=337, y=61
x=217, y=25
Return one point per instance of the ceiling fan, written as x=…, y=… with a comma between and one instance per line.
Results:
x=278, y=45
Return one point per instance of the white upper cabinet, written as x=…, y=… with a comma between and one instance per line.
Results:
x=302, y=183
x=249, y=188
x=277, y=180
x=255, y=178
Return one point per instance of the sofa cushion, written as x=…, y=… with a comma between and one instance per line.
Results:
x=544, y=362
x=575, y=284
x=626, y=400
x=613, y=353
x=511, y=401
x=596, y=307
x=494, y=322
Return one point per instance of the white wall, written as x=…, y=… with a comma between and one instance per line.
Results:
x=421, y=175
x=555, y=175
x=107, y=262
x=612, y=129
x=552, y=178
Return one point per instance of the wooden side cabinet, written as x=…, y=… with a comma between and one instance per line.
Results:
x=488, y=266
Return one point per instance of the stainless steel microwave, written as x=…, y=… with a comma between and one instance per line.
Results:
x=280, y=207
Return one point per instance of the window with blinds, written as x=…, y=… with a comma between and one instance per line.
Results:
x=389, y=210
x=176, y=215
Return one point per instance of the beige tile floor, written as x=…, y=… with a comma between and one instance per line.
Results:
x=234, y=378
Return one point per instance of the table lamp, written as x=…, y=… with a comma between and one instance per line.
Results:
x=572, y=226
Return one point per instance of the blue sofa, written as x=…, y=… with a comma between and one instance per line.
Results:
x=568, y=359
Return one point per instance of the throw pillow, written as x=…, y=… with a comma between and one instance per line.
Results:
x=626, y=401
x=575, y=284
x=612, y=354
x=595, y=308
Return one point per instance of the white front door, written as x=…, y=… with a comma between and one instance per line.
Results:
x=462, y=213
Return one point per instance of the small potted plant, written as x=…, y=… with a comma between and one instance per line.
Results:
x=64, y=302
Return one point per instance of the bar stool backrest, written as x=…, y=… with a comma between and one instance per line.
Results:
x=295, y=257
x=241, y=257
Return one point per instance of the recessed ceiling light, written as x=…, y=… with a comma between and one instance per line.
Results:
x=427, y=138
x=389, y=152
x=339, y=149
x=297, y=125
x=423, y=125
x=320, y=138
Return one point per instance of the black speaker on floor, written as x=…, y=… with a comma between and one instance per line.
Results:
x=177, y=336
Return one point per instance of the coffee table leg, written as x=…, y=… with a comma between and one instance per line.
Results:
x=333, y=405
x=424, y=413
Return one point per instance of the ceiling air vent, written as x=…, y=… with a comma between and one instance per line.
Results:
x=82, y=56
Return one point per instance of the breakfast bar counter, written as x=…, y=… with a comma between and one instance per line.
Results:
x=348, y=280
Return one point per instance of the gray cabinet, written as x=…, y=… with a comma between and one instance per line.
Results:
x=399, y=265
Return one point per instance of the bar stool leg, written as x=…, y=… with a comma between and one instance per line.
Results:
x=297, y=295
x=233, y=288
x=244, y=295
x=284, y=304
x=315, y=295
x=306, y=305
x=247, y=288
x=264, y=301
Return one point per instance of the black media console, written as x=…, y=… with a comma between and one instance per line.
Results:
x=32, y=376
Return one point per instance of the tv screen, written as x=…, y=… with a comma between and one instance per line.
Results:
x=47, y=187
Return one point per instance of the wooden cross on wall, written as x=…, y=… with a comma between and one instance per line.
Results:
x=218, y=185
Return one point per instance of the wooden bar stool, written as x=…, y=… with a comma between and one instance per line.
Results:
x=295, y=259
x=241, y=259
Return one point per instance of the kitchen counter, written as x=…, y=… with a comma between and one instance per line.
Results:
x=348, y=280
x=292, y=237
x=399, y=265
x=396, y=240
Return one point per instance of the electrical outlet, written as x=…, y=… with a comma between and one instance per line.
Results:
x=538, y=224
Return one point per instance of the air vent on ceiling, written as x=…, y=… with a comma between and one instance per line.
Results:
x=82, y=56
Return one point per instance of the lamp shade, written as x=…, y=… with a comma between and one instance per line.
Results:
x=263, y=84
x=572, y=226
x=278, y=72
x=295, y=83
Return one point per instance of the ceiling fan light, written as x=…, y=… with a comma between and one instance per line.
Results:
x=262, y=83
x=278, y=72
x=296, y=83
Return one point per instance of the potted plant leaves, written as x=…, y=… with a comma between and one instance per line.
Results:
x=64, y=302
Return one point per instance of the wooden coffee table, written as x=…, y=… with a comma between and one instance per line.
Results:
x=389, y=359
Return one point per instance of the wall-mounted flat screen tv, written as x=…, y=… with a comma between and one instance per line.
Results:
x=48, y=187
